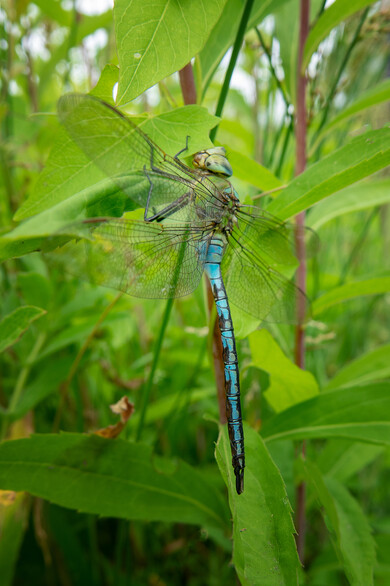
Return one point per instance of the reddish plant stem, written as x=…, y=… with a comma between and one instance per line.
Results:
x=187, y=84
x=300, y=139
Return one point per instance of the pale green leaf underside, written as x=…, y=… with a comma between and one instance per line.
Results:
x=263, y=532
x=361, y=413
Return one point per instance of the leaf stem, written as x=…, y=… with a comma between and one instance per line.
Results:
x=233, y=59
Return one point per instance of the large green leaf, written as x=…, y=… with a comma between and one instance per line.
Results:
x=264, y=550
x=13, y=325
x=362, y=157
x=374, y=285
x=223, y=34
x=365, y=195
x=350, y=529
x=288, y=383
x=360, y=413
x=331, y=17
x=112, y=478
x=372, y=366
x=69, y=171
x=157, y=38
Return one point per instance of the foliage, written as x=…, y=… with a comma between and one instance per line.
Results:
x=70, y=349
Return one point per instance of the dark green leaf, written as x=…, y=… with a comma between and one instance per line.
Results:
x=111, y=478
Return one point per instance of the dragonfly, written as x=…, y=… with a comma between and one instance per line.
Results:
x=193, y=223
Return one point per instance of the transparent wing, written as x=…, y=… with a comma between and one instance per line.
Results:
x=127, y=155
x=258, y=245
x=142, y=259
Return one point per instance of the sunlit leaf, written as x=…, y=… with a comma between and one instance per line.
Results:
x=263, y=532
x=360, y=158
x=288, y=383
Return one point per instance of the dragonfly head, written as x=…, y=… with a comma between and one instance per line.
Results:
x=213, y=160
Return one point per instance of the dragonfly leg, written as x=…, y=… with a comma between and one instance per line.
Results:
x=183, y=150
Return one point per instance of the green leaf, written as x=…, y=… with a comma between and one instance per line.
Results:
x=368, y=286
x=330, y=18
x=157, y=38
x=111, y=478
x=288, y=383
x=351, y=530
x=372, y=366
x=69, y=171
x=342, y=459
x=360, y=413
x=376, y=95
x=13, y=524
x=362, y=157
x=264, y=550
x=365, y=195
x=249, y=170
x=13, y=325
x=104, y=87
x=223, y=34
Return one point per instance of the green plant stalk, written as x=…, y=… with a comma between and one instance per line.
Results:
x=277, y=80
x=233, y=59
x=156, y=356
x=289, y=131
